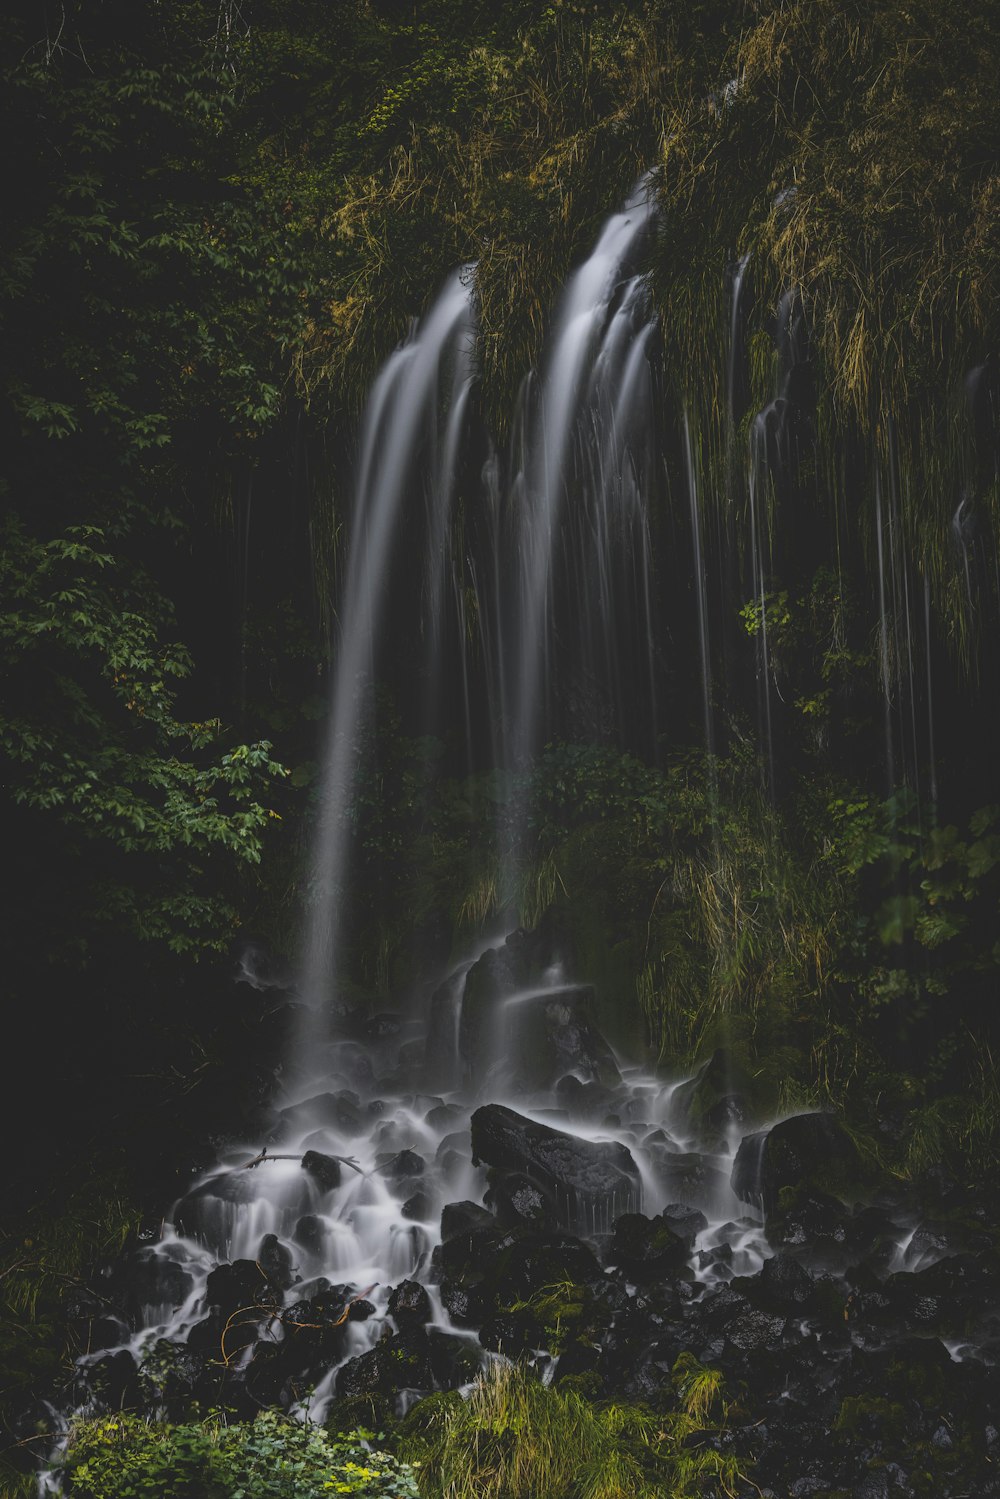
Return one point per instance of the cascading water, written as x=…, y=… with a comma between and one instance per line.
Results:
x=282, y=1259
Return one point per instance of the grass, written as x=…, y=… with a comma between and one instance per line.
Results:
x=515, y=1438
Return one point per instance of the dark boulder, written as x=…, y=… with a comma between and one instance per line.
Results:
x=807, y=1150
x=461, y=1217
x=539, y=1260
x=229, y=1288
x=467, y=1300
x=170, y=1376
x=400, y=1362
x=646, y=1249
x=454, y=1360
x=716, y=1099
x=409, y=1305
x=516, y=1199
x=754, y=1329
x=417, y=1208
x=112, y=1382
x=155, y=1284
x=511, y=1333
x=325, y=1170
x=686, y=1222
x=784, y=1284
x=689, y=1179
x=311, y=1233
x=275, y=1260
x=402, y=1165
x=591, y=1183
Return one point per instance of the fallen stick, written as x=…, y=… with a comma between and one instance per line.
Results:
x=345, y=1160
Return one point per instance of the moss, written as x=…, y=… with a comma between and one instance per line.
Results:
x=871, y=1416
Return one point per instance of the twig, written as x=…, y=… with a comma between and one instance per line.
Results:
x=258, y=1160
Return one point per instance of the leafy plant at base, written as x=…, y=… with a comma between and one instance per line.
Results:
x=273, y=1457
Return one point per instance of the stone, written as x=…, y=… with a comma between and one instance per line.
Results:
x=311, y=1233
x=754, y=1329
x=275, y=1260
x=688, y=1179
x=686, y=1222
x=783, y=1283
x=417, y=1208
x=409, y=1305
x=646, y=1249
x=240, y=1284
x=510, y=1333
x=325, y=1170
x=717, y=1098
x=591, y=1183
x=399, y=1362
x=454, y=1360
x=154, y=1280
x=808, y=1150
x=113, y=1381
x=461, y=1217
x=515, y=1198
x=403, y=1164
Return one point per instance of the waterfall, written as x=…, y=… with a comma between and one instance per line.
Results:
x=402, y=412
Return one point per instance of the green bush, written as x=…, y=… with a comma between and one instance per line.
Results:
x=273, y=1457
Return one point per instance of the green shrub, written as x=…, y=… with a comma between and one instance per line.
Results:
x=273, y=1457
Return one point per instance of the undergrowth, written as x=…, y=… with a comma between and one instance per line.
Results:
x=514, y=1438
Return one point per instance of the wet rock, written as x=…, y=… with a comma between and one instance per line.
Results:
x=688, y=1178
x=539, y=1260
x=275, y=1260
x=170, y=1375
x=814, y=1225
x=113, y=1381
x=754, y=1329
x=646, y=1248
x=582, y=1100
x=409, y=1305
x=443, y=1117
x=716, y=1098
x=417, y=1207
x=461, y=1217
x=516, y=1199
x=108, y=1331
x=639, y=1370
x=511, y=1333
x=403, y=1164
x=400, y=1362
x=325, y=1170
x=928, y=1244
x=381, y=1027
x=454, y=1360
x=265, y=1376
x=241, y=1284
x=808, y=1150
x=467, y=1301
x=784, y=1284
x=686, y=1222
x=591, y=1184
x=154, y=1280
x=311, y=1233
